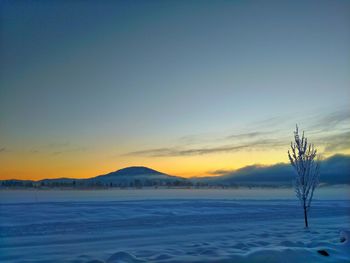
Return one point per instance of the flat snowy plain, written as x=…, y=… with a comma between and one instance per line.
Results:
x=171, y=225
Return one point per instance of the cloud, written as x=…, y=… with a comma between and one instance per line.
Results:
x=4, y=150
x=248, y=135
x=58, y=145
x=69, y=150
x=271, y=122
x=168, y=152
x=163, y=152
x=261, y=136
x=192, y=139
x=220, y=172
x=334, y=170
x=337, y=142
x=332, y=120
x=58, y=148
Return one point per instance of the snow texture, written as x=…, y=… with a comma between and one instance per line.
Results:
x=167, y=229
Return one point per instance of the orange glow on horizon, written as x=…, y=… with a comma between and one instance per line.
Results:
x=36, y=166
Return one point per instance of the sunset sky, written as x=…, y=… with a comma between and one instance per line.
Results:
x=184, y=87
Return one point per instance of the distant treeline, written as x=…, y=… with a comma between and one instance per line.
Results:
x=136, y=184
x=98, y=184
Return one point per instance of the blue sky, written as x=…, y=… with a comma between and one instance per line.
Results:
x=111, y=81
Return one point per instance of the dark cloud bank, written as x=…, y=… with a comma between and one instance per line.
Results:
x=334, y=170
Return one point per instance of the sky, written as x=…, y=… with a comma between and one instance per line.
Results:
x=184, y=87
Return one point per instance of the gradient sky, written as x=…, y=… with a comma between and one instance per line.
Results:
x=184, y=87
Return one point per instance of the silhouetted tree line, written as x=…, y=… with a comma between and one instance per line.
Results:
x=137, y=183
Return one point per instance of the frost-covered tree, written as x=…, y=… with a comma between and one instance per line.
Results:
x=303, y=157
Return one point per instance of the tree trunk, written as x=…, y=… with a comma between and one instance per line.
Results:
x=305, y=216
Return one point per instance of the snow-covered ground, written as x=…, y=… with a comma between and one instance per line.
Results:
x=171, y=226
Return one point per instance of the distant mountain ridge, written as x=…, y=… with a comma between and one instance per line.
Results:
x=134, y=171
x=134, y=176
x=334, y=170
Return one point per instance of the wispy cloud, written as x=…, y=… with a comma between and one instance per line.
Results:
x=332, y=120
x=163, y=152
x=270, y=122
x=70, y=150
x=4, y=150
x=337, y=142
x=272, y=133
x=58, y=145
x=248, y=135
x=194, y=139
x=58, y=148
x=220, y=172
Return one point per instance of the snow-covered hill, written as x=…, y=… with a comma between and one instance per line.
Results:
x=137, y=176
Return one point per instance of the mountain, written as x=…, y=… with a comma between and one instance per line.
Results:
x=334, y=170
x=137, y=176
x=133, y=171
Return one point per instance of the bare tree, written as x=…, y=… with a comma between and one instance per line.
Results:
x=303, y=157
